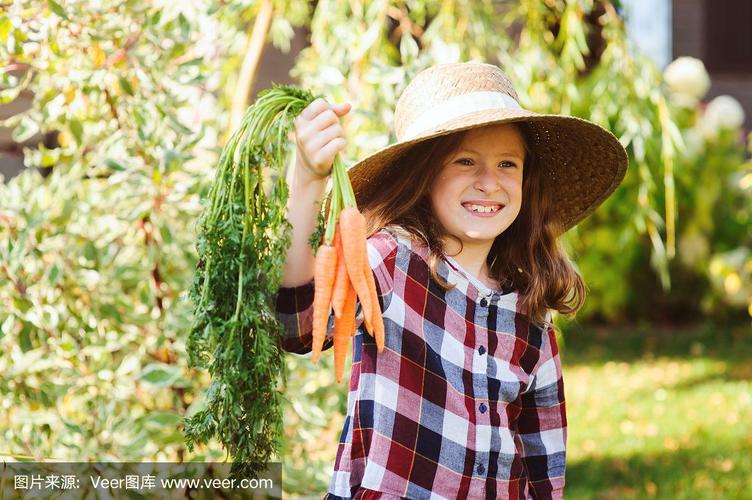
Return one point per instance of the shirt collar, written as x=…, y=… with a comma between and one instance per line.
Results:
x=482, y=288
x=451, y=265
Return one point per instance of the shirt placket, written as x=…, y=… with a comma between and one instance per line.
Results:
x=480, y=387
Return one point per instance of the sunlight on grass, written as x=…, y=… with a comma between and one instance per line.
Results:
x=656, y=425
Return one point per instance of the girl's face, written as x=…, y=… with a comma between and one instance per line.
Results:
x=478, y=192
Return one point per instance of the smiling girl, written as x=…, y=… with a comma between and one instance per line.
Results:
x=464, y=211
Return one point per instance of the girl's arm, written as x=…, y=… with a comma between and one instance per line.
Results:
x=543, y=423
x=319, y=137
x=303, y=206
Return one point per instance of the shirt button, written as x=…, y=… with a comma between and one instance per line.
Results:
x=483, y=302
x=482, y=350
x=483, y=408
x=481, y=469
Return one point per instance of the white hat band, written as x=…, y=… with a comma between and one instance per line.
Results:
x=457, y=106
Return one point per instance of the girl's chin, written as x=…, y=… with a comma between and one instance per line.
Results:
x=479, y=236
x=477, y=230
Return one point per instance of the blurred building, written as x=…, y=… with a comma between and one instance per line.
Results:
x=719, y=32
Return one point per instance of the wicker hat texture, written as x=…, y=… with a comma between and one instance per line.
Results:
x=584, y=163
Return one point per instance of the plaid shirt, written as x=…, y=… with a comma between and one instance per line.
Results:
x=465, y=401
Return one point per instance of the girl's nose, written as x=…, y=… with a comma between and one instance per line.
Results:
x=487, y=180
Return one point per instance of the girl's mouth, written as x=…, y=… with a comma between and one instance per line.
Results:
x=482, y=210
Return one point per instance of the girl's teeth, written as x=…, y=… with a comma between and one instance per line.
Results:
x=479, y=208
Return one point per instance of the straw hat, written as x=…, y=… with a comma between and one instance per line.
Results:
x=584, y=162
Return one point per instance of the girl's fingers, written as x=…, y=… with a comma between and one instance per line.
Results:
x=316, y=117
x=312, y=110
x=325, y=155
x=342, y=109
x=312, y=135
x=326, y=136
x=324, y=120
x=319, y=107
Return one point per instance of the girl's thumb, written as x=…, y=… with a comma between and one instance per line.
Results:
x=342, y=109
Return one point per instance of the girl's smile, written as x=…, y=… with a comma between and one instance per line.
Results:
x=481, y=208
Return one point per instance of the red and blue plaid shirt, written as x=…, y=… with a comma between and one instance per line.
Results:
x=465, y=401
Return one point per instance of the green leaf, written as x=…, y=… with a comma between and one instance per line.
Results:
x=408, y=48
x=25, y=338
x=5, y=27
x=174, y=438
x=53, y=274
x=156, y=17
x=73, y=427
x=22, y=305
x=165, y=233
x=185, y=26
x=192, y=62
x=111, y=311
x=57, y=9
x=90, y=251
x=160, y=375
x=25, y=130
x=161, y=419
x=139, y=118
x=7, y=326
x=125, y=85
x=77, y=130
x=137, y=445
x=179, y=126
x=114, y=165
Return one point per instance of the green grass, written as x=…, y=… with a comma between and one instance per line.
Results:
x=659, y=413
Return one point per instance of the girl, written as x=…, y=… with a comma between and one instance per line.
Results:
x=463, y=211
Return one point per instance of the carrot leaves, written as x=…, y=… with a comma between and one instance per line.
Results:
x=243, y=236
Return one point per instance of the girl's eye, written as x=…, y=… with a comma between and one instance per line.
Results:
x=507, y=164
x=464, y=161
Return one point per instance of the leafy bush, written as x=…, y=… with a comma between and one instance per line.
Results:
x=97, y=256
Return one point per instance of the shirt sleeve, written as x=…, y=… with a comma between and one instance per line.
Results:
x=294, y=305
x=294, y=309
x=543, y=423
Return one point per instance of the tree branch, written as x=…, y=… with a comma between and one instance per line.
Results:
x=253, y=52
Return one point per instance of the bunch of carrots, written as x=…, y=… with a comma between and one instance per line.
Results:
x=342, y=275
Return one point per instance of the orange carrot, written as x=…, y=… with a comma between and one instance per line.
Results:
x=377, y=319
x=323, y=277
x=352, y=296
x=342, y=281
x=353, y=234
x=343, y=330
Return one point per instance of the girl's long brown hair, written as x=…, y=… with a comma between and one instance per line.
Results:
x=526, y=257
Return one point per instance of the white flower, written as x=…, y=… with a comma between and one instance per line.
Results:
x=443, y=52
x=723, y=112
x=331, y=76
x=687, y=79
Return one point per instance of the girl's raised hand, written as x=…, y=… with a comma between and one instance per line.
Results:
x=319, y=137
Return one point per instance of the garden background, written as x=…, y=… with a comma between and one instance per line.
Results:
x=131, y=103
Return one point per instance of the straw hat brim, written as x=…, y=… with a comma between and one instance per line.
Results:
x=584, y=162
